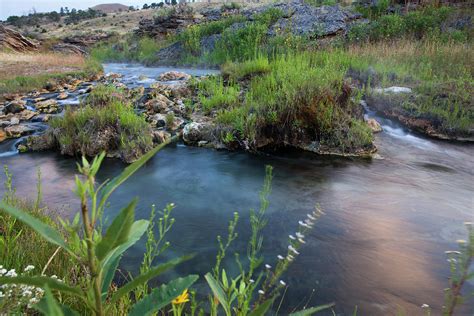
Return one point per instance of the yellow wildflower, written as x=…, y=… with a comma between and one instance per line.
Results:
x=181, y=299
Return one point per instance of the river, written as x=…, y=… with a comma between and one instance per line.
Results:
x=379, y=247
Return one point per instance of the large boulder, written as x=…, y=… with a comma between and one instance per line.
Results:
x=195, y=132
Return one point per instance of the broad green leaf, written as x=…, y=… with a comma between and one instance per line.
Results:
x=312, y=310
x=162, y=296
x=118, y=231
x=218, y=292
x=48, y=304
x=136, y=232
x=130, y=170
x=109, y=276
x=141, y=279
x=261, y=309
x=42, y=281
x=50, y=307
x=46, y=231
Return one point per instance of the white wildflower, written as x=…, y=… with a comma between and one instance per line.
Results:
x=461, y=241
x=172, y=204
x=292, y=249
x=301, y=241
x=29, y=268
x=11, y=273
x=292, y=237
x=280, y=257
x=252, y=281
x=468, y=224
x=282, y=283
x=425, y=306
x=455, y=252
x=299, y=235
x=261, y=292
x=304, y=224
x=268, y=266
x=311, y=217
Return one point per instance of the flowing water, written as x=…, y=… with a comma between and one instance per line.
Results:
x=380, y=245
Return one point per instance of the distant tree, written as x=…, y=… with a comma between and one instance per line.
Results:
x=145, y=6
x=131, y=8
x=174, y=2
x=61, y=11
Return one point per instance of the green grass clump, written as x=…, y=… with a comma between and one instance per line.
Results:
x=191, y=37
x=105, y=121
x=304, y=96
x=215, y=95
x=249, y=68
x=418, y=24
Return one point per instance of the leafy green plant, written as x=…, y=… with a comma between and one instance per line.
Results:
x=99, y=252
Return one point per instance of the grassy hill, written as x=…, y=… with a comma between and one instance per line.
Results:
x=110, y=7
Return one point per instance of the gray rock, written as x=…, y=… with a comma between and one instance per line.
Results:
x=15, y=106
x=194, y=132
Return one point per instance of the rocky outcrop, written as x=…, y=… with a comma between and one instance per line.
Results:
x=66, y=48
x=306, y=20
x=165, y=25
x=14, y=40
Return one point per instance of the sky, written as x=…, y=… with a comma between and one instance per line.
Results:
x=21, y=7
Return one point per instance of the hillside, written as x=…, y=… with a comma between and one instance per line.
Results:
x=110, y=7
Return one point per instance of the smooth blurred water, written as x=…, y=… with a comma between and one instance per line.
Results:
x=380, y=245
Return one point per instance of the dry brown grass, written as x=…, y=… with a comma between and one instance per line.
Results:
x=31, y=64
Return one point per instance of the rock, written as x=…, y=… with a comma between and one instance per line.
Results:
x=5, y=123
x=160, y=137
x=158, y=104
x=14, y=121
x=172, y=54
x=40, y=142
x=142, y=77
x=374, y=125
x=16, y=131
x=393, y=90
x=306, y=20
x=3, y=135
x=159, y=120
x=15, y=106
x=62, y=96
x=178, y=122
x=174, y=75
x=15, y=41
x=67, y=48
x=49, y=106
x=194, y=132
x=26, y=115
x=165, y=25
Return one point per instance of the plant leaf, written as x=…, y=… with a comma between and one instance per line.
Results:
x=312, y=310
x=162, y=296
x=42, y=281
x=118, y=231
x=46, y=231
x=218, y=292
x=262, y=308
x=49, y=306
x=154, y=272
x=136, y=232
x=109, y=274
x=130, y=170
